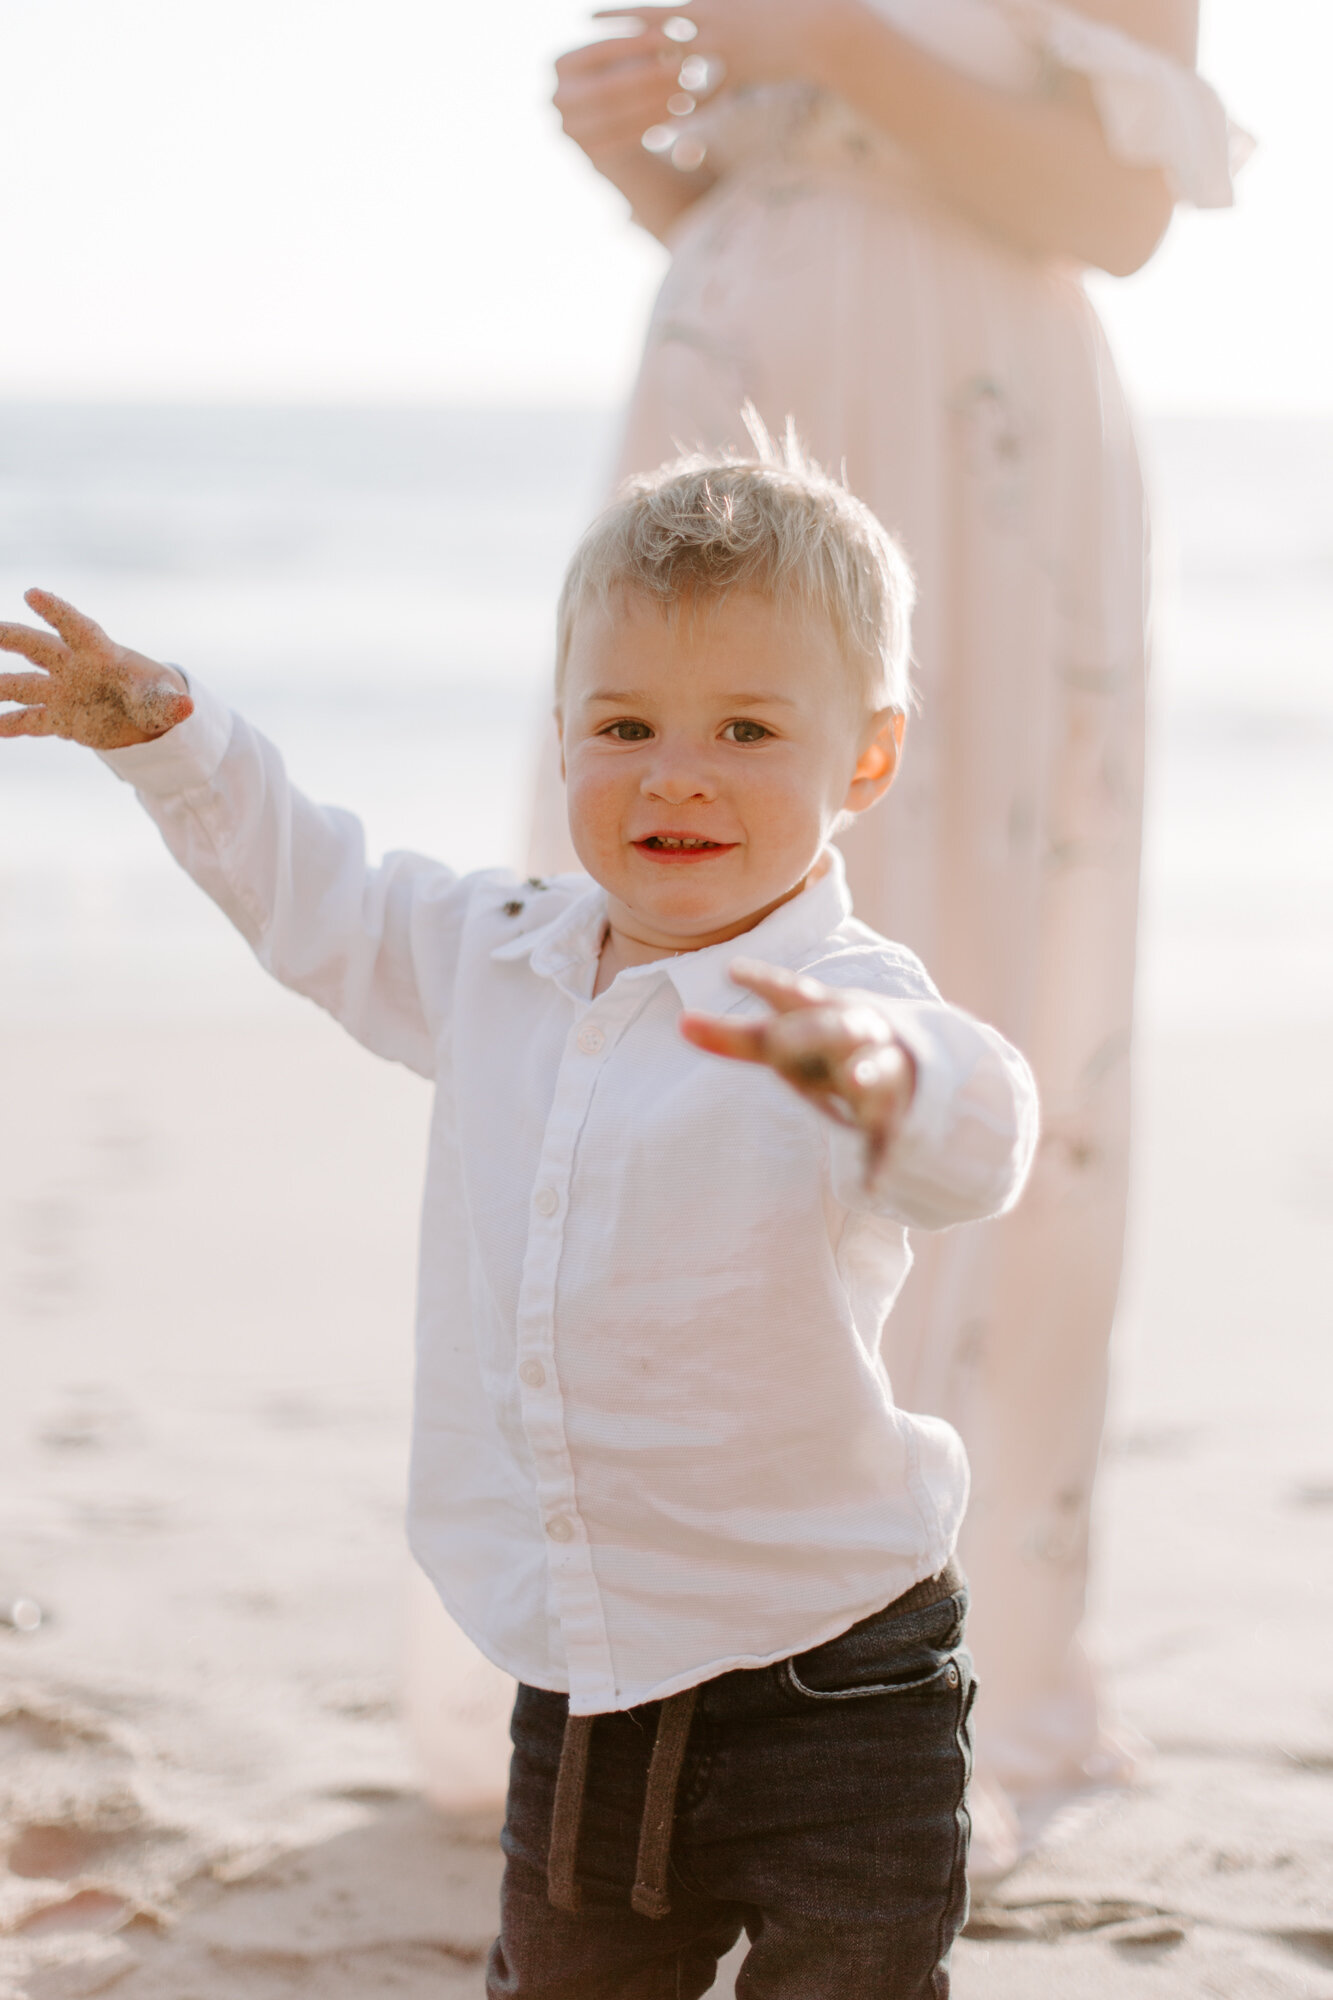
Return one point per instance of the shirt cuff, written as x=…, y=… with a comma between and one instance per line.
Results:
x=184, y=757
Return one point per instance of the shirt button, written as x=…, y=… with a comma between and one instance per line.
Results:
x=547, y=1201
x=533, y=1374
x=560, y=1529
x=591, y=1039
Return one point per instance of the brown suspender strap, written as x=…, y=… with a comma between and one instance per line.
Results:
x=650, y=1897
x=562, y=1885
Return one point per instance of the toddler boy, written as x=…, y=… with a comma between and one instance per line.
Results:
x=658, y=1473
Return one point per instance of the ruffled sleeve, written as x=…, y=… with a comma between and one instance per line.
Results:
x=1155, y=112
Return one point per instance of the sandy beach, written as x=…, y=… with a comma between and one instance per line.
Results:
x=206, y=1255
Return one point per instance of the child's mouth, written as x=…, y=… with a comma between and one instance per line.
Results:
x=681, y=847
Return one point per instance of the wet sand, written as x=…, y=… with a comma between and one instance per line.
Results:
x=206, y=1252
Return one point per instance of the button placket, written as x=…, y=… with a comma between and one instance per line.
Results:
x=575, y=1595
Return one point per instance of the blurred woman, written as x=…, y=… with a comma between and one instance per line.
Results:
x=878, y=224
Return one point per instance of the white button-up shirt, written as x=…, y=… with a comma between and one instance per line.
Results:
x=654, y=1437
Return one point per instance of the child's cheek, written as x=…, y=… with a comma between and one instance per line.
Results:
x=782, y=810
x=595, y=799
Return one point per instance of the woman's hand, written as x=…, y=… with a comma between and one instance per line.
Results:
x=610, y=93
x=88, y=688
x=756, y=41
x=836, y=1048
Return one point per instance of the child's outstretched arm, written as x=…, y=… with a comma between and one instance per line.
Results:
x=373, y=944
x=86, y=688
x=945, y=1109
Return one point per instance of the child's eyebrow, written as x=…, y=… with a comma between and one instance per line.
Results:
x=628, y=697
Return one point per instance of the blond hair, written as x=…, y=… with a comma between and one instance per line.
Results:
x=775, y=524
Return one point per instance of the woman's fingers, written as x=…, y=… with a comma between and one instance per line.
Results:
x=613, y=102
x=655, y=20
x=619, y=52
x=599, y=117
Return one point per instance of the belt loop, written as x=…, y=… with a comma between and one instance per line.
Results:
x=562, y=1885
x=650, y=1897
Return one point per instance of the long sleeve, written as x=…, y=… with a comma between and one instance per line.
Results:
x=373, y=945
x=966, y=1146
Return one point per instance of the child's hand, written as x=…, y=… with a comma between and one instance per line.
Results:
x=835, y=1047
x=89, y=689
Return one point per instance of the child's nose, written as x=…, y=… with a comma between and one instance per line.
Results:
x=677, y=774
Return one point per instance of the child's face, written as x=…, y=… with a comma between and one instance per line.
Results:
x=708, y=755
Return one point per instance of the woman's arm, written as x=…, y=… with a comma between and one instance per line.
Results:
x=1037, y=171
x=1169, y=25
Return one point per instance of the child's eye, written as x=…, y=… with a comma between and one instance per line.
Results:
x=745, y=731
x=628, y=732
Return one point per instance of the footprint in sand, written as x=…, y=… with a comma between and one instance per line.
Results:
x=85, y=1910
x=58, y=1852
x=84, y=1850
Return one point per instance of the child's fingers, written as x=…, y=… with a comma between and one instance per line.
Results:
x=39, y=647
x=785, y=992
x=744, y=1041
x=73, y=626
x=812, y=1044
x=27, y=688
x=807, y=1048
x=27, y=722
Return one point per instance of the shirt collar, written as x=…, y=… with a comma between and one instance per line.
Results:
x=573, y=938
x=785, y=937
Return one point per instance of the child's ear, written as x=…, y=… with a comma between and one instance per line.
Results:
x=560, y=739
x=877, y=765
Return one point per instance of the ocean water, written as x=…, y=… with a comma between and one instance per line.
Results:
x=375, y=588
